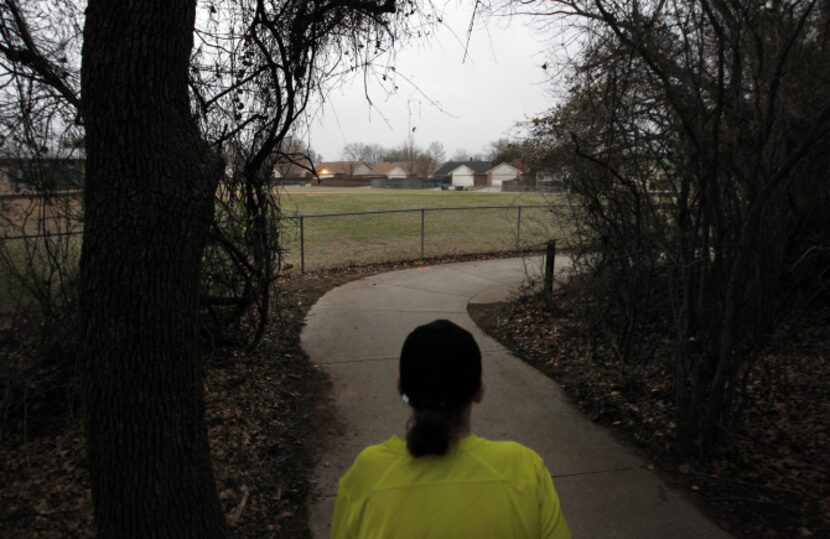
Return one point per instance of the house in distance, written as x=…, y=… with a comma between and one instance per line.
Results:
x=391, y=170
x=341, y=169
x=477, y=173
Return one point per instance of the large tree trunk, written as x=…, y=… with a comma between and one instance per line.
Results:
x=149, y=202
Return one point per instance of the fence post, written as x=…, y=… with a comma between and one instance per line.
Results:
x=519, y=229
x=550, y=258
x=302, y=244
x=423, y=219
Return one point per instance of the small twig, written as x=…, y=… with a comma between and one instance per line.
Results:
x=470, y=31
x=237, y=513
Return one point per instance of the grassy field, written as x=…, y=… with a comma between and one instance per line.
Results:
x=360, y=239
x=310, y=200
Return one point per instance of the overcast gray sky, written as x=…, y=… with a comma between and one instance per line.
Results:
x=501, y=82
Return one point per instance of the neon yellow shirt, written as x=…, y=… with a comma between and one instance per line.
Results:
x=479, y=489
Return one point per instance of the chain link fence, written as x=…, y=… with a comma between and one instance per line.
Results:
x=329, y=240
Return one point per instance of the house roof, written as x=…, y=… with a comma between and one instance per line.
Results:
x=385, y=168
x=479, y=167
x=338, y=167
x=505, y=163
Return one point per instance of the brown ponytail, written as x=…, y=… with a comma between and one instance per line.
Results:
x=431, y=432
x=440, y=372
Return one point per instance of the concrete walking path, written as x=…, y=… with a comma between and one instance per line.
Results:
x=355, y=333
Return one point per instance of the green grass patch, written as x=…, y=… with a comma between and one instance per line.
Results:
x=364, y=239
x=310, y=200
x=331, y=241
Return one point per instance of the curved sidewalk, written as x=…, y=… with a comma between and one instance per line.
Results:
x=355, y=333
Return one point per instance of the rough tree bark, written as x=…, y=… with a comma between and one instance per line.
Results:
x=149, y=203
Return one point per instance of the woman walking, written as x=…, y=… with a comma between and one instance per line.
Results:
x=444, y=482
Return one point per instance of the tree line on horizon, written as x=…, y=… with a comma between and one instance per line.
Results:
x=425, y=160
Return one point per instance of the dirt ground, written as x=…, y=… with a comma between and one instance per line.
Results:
x=260, y=409
x=771, y=475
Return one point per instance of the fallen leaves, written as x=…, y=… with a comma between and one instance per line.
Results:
x=262, y=442
x=770, y=478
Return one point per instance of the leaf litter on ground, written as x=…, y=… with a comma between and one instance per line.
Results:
x=771, y=476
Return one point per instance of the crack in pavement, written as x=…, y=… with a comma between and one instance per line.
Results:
x=500, y=283
x=612, y=470
x=460, y=295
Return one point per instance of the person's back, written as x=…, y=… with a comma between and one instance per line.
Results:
x=444, y=482
x=480, y=489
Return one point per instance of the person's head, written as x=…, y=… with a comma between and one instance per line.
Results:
x=440, y=376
